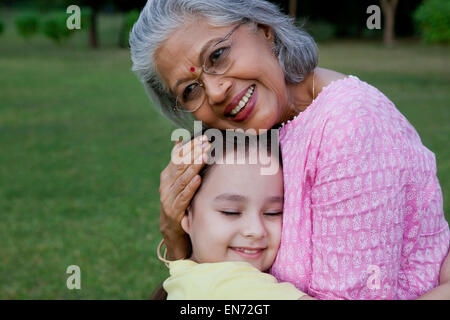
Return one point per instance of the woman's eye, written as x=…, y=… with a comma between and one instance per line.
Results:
x=188, y=91
x=217, y=55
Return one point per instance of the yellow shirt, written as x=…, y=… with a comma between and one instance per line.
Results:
x=224, y=281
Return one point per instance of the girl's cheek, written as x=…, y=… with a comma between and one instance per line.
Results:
x=275, y=228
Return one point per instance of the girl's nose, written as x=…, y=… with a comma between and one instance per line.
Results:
x=254, y=227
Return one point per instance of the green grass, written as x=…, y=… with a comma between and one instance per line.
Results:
x=82, y=150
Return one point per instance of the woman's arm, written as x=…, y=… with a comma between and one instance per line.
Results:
x=442, y=292
x=378, y=229
x=178, y=184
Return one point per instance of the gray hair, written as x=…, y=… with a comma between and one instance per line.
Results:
x=296, y=50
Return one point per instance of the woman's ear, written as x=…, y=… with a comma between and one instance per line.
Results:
x=267, y=31
x=185, y=223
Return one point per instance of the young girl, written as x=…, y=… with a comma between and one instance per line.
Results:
x=234, y=224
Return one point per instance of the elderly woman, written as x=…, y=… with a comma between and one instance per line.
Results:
x=363, y=212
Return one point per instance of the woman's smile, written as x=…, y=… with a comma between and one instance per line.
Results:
x=242, y=105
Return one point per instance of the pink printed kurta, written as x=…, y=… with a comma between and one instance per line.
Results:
x=363, y=212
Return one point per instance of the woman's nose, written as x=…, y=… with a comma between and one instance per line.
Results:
x=216, y=88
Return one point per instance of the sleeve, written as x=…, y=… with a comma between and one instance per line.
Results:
x=426, y=240
x=229, y=281
x=365, y=208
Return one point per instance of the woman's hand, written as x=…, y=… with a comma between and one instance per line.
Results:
x=178, y=183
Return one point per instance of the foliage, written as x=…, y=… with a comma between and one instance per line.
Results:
x=27, y=24
x=86, y=13
x=321, y=30
x=2, y=27
x=54, y=26
x=433, y=20
x=130, y=19
x=372, y=34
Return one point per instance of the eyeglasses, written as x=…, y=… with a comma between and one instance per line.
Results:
x=218, y=60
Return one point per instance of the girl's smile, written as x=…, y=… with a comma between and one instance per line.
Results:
x=249, y=252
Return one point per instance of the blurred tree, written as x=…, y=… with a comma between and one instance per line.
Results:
x=95, y=6
x=27, y=24
x=293, y=8
x=433, y=20
x=128, y=21
x=54, y=26
x=348, y=16
x=389, y=7
x=128, y=5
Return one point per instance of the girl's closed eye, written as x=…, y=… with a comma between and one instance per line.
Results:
x=273, y=213
x=230, y=212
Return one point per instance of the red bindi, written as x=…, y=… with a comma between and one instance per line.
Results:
x=192, y=69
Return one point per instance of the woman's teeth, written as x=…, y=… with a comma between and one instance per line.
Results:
x=243, y=101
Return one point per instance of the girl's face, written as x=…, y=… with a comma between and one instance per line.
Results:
x=236, y=216
x=252, y=63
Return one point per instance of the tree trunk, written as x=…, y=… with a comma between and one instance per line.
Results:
x=389, y=7
x=93, y=35
x=293, y=8
x=123, y=35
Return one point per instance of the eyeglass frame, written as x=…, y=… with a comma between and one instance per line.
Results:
x=197, y=80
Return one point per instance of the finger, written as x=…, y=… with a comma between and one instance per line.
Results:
x=170, y=177
x=185, y=148
x=184, y=198
x=190, y=171
x=184, y=187
x=179, y=164
x=195, y=154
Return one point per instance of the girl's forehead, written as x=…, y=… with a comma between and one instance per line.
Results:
x=240, y=177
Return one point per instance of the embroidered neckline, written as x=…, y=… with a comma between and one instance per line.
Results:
x=313, y=103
